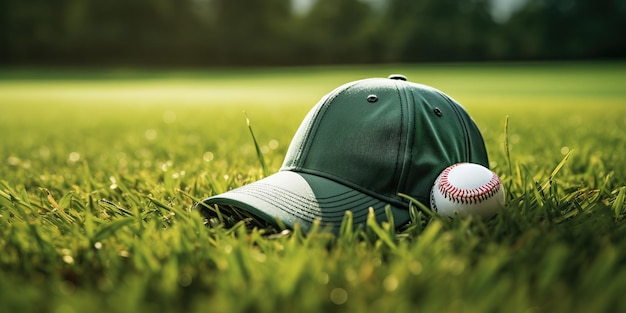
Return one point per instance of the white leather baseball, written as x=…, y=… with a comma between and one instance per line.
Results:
x=466, y=189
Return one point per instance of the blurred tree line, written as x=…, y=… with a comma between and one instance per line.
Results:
x=270, y=32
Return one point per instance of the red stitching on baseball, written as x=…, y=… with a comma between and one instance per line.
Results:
x=467, y=196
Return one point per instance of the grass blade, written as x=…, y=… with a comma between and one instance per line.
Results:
x=110, y=228
x=506, y=145
x=618, y=204
x=259, y=153
x=556, y=170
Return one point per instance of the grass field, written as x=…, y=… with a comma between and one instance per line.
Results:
x=100, y=169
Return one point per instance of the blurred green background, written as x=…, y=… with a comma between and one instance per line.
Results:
x=306, y=32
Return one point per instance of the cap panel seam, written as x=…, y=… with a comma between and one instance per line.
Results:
x=406, y=163
x=459, y=115
x=311, y=131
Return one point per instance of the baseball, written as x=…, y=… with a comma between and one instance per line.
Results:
x=466, y=189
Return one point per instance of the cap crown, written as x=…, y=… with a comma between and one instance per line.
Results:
x=383, y=137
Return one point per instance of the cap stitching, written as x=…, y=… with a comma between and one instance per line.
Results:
x=316, y=120
x=262, y=188
x=303, y=211
x=300, y=206
x=456, y=108
x=400, y=165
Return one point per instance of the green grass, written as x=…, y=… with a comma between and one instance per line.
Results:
x=100, y=168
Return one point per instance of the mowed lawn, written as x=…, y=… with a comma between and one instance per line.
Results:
x=100, y=169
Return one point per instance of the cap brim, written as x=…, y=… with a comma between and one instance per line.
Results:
x=300, y=198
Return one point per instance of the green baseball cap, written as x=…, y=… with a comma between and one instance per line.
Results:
x=361, y=146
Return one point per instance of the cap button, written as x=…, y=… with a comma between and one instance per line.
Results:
x=397, y=77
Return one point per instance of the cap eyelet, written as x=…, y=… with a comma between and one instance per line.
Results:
x=372, y=98
x=438, y=112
